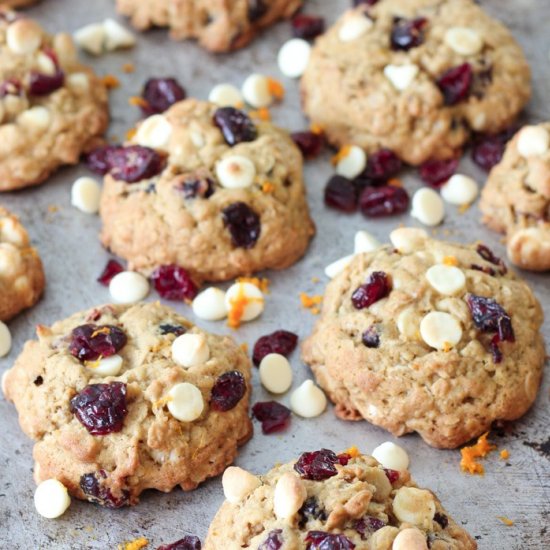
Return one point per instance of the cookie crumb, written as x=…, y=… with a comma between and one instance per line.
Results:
x=481, y=449
x=508, y=522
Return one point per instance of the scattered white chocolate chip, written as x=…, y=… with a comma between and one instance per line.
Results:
x=407, y=239
x=190, y=350
x=293, y=57
x=238, y=484
x=35, y=118
x=391, y=456
x=427, y=207
x=91, y=38
x=353, y=27
x=110, y=35
x=353, y=163
x=460, y=190
x=463, y=40
x=210, y=304
x=5, y=339
x=407, y=323
x=256, y=91
x=275, y=373
x=446, y=279
x=401, y=76
x=85, y=195
x=23, y=36
x=51, y=498
x=107, y=366
x=289, y=496
x=365, y=242
x=416, y=506
x=338, y=266
x=226, y=95
x=410, y=539
x=440, y=330
x=155, y=132
x=128, y=287
x=235, y=172
x=45, y=64
x=307, y=400
x=247, y=295
x=185, y=402
x=533, y=141
x=117, y=36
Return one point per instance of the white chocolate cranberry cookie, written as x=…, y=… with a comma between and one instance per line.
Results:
x=207, y=189
x=516, y=198
x=21, y=274
x=415, y=76
x=12, y=4
x=125, y=398
x=328, y=501
x=52, y=108
x=428, y=336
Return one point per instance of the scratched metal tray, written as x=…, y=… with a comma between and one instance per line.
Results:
x=67, y=239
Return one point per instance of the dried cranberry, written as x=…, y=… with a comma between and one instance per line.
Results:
x=309, y=143
x=392, y=475
x=235, y=125
x=370, y=338
x=382, y=165
x=367, y=2
x=487, y=254
x=341, y=193
x=160, y=94
x=96, y=492
x=167, y=328
x=455, y=83
x=378, y=286
x=343, y=459
x=317, y=465
x=189, y=542
x=273, y=416
x=319, y=540
x=101, y=408
x=282, y=342
x=202, y=188
x=484, y=269
x=496, y=352
x=134, y=163
x=437, y=172
x=227, y=391
x=111, y=269
x=274, y=540
x=307, y=26
x=98, y=159
x=89, y=342
x=368, y=525
x=442, y=519
x=487, y=150
x=489, y=316
x=310, y=511
x=256, y=9
x=173, y=282
x=11, y=86
x=243, y=224
x=386, y=200
x=44, y=84
x=38, y=381
x=407, y=33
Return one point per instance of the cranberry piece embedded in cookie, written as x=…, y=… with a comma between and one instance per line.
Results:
x=311, y=511
x=367, y=525
x=309, y=143
x=319, y=540
x=274, y=416
x=173, y=283
x=243, y=224
x=160, y=94
x=11, y=86
x=235, y=125
x=200, y=188
x=101, y=408
x=378, y=286
x=442, y=519
x=111, y=269
x=280, y=341
x=317, y=465
x=44, y=84
x=392, y=475
x=307, y=26
x=370, y=338
x=387, y=200
x=188, y=542
x=227, y=391
x=382, y=165
x=98, y=159
x=133, y=163
x=407, y=33
x=256, y=9
x=90, y=342
x=341, y=193
x=437, y=172
x=490, y=316
x=487, y=254
x=455, y=83
x=167, y=328
x=274, y=540
x=91, y=486
x=487, y=150
x=367, y=2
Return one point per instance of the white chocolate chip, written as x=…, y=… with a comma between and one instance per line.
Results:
x=275, y=373
x=190, y=350
x=463, y=40
x=107, y=366
x=533, y=141
x=35, y=118
x=210, y=304
x=155, y=132
x=407, y=323
x=78, y=82
x=117, y=36
x=391, y=456
x=308, y=400
x=410, y=539
x=293, y=57
x=415, y=506
x=91, y=38
x=289, y=496
x=186, y=403
x=365, y=242
x=353, y=27
x=427, y=207
x=460, y=190
x=256, y=91
x=51, y=498
x=408, y=239
x=401, y=76
x=85, y=195
x=440, y=330
x=353, y=163
x=226, y=95
x=23, y=36
x=128, y=287
x=12, y=232
x=249, y=295
x=235, y=172
x=446, y=279
x=5, y=339
x=238, y=484
x=45, y=64
x=335, y=268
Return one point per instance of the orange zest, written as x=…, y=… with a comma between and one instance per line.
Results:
x=244, y=347
x=504, y=454
x=162, y=401
x=238, y=304
x=508, y=522
x=128, y=68
x=137, y=544
x=450, y=260
x=262, y=284
x=395, y=182
x=310, y=302
x=316, y=129
x=110, y=81
x=464, y=207
x=130, y=133
x=102, y=330
x=267, y=187
x=353, y=452
x=469, y=454
x=137, y=101
x=262, y=114
x=276, y=89
x=341, y=154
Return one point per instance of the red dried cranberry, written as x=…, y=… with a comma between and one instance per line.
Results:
x=407, y=33
x=343, y=459
x=484, y=269
x=89, y=342
x=274, y=540
x=489, y=316
x=381, y=167
x=309, y=143
x=437, y=172
x=256, y=9
x=386, y=200
x=341, y=193
x=91, y=486
x=44, y=84
x=11, y=86
x=367, y=525
x=273, y=416
x=101, y=408
x=370, y=338
x=319, y=540
x=228, y=390
x=392, y=475
x=202, y=188
x=111, y=269
x=134, y=163
x=367, y=2
x=167, y=328
x=98, y=159
x=280, y=341
x=317, y=465
x=160, y=94
x=189, y=542
x=487, y=254
x=173, y=282
x=307, y=26
x=496, y=352
x=378, y=286
x=487, y=150
x=243, y=224
x=235, y=125
x=311, y=511
x=455, y=83
x=442, y=519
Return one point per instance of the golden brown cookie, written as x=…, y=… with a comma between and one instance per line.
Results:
x=16, y=3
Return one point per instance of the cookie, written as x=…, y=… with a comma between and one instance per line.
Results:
x=415, y=76
x=52, y=107
x=21, y=274
x=219, y=195
x=219, y=26
x=324, y=500
x=16, y=3
x=125, y=398
x=516, y=198
x=428, y=336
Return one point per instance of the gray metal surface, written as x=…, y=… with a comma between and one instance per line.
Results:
x=67, y=239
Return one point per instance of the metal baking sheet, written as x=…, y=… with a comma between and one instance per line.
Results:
x=517, y=488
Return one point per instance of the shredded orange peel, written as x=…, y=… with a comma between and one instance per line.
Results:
x=276, y=89
x=268, y=187
x=110, y=81
x=137, y=544
x=238, y=304
x=316, y=129
x=353, y=452
x=508, y=522
x=262, y=113
x=450, y=260
x=469, y=454
x=262, y=284
x=310, y=302
x=138, y=101
x=341, y=154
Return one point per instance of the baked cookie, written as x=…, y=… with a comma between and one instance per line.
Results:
x=219, y=195
x=218, y=25
x=428, y=336
x=516, y=198
x=16, y=3
x=52, y=108
x=21, y=274
x=327, y=501
x=415, y=76
x=126, y=398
